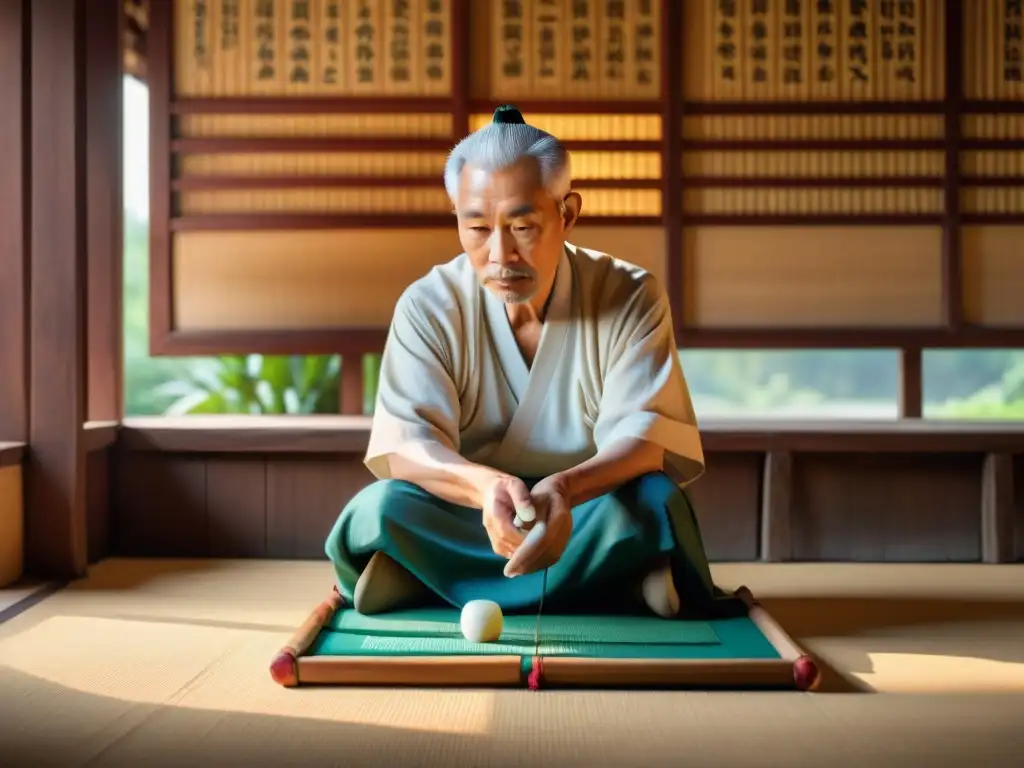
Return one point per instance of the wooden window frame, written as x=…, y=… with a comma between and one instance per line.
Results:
x=952, y=332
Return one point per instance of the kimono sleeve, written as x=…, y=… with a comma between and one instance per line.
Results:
x=644, y=394
x=417, y=400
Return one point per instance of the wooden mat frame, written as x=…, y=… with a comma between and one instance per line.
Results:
x=293, y=667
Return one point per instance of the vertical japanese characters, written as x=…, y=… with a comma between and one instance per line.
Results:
x=299, y=38
x=1013, y=20
x=331, y=61
x=585, y=49
x=309, y=47
x=800, y=49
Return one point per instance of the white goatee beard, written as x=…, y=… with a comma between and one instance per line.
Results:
x=509, y=297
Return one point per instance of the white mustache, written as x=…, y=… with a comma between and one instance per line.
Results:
x=508, y=274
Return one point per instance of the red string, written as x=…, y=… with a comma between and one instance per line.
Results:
x=536, y=674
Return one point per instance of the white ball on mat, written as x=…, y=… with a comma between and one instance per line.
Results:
x=481, y=621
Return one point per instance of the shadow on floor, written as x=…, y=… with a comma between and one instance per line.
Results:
x=45, y=723
x=828, y=617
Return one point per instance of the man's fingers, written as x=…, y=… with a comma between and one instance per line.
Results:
x=528, y=552
x=505, y=538
x=521, y=500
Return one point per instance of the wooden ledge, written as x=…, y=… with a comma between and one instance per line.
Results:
x=99, y=435
x=11, y=454
x=96, y=436
x=350, y=434
x=247, y=434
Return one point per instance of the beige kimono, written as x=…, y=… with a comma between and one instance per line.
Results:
x=607, y=368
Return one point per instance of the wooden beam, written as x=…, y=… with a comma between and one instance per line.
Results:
x=14, y=208
x=911, y=393
x=461, y=39
x=344, y=434
x=952, y=269
x=672, y=159
x=104, y=128
x=998, y=544
x=159, y=44
x=777, y=507
x=55, y=478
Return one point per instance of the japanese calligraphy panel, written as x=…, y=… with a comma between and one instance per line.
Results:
x=994, y=49
x=583, y=49
x=799, y=50
x=229, y=48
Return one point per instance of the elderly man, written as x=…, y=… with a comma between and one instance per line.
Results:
x=530, y=375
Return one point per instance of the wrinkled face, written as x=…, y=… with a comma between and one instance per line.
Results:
x=513, y=230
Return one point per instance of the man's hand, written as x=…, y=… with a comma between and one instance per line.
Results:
x=501, y=497
x=550, y=499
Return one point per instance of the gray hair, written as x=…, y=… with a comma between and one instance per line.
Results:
x=504, y=143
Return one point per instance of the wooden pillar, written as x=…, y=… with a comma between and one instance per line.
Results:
x=55, y=481
x=104, y=121
x=461, y=54
x=998, y=506
x=777, y=508
x=14, y=209
x=952, y=270
x=351, y=394
x=911, y=393
x=672, y=161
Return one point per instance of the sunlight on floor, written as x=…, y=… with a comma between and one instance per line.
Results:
x=215, y=669
x=976, y=657
x=918, y=672
x=170, y=659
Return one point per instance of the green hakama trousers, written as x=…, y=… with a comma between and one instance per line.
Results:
x=617, y=538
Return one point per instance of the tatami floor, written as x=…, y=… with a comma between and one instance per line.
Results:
x=165, y=663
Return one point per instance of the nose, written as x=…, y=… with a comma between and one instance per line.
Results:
x=503, y=247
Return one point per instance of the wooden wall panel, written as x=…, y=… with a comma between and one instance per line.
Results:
x=236, y=507
x=249, y=506
x=304, y=499
x=812, y=277
x=863, y=506
x=993, y=275
x=895, y=508
x=727, y=502
x=238, y=280
x=14, y=211
x=284, y=507
x=718, y=116
x=12, y=524
x=1018, y=488
x=227, y=280
x=160, y=505
x=98, y=503
x=322, y=126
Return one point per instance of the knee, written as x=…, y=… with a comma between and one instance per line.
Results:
x=636, y=507
x=378, y=498
x=367, y=508
x=650, y=491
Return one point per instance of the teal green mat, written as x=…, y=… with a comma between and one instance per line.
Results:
x=443, y=623
x=430, y=633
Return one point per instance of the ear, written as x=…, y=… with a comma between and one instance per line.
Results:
x=573, y=205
